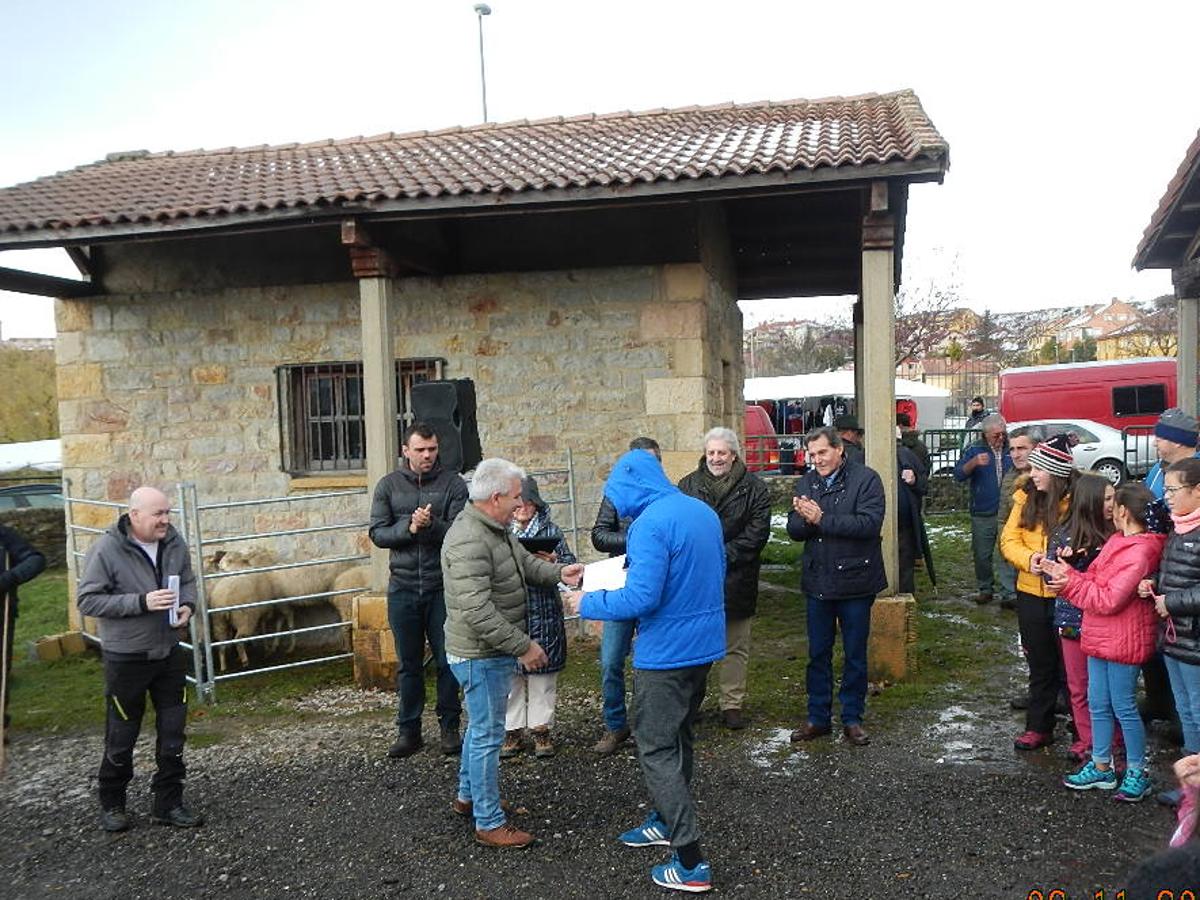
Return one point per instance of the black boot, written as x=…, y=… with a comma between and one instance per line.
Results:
x=406, y=745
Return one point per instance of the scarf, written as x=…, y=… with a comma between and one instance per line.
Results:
x=1188, y=522
x=716, y=488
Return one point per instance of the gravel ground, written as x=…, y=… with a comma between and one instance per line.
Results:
x=937, y=806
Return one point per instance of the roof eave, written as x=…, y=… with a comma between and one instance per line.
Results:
x=929, y=168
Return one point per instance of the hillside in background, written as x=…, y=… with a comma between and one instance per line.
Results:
x=28, y=404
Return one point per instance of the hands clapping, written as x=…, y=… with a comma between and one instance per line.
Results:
x=807, y=508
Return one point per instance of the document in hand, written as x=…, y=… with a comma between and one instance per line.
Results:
x=606, y=575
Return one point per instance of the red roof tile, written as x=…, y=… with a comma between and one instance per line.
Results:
x=558, y=154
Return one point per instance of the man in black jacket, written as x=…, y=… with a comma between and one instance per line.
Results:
x=410, y=513
x=608, y=536
x=838, y=513
x=19, y=562
x=743, y=504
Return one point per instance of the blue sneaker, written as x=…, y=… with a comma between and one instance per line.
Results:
x=1135, y=786
x=651, y=833
x=674, y=876
x=1090, y=777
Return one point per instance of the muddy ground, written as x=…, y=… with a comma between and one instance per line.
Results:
x=938, y=806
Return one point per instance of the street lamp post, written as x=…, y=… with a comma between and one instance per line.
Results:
x=481, y=10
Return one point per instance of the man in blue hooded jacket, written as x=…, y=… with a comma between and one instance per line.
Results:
x=675, y=558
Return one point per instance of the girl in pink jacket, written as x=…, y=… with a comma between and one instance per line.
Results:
x=1119, y=631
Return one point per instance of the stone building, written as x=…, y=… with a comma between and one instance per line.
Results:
x=251, y=319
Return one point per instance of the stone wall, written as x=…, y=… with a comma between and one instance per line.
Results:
x=181, y=386
x=44, y=529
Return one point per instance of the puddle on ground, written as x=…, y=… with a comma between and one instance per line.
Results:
x=952, y=618
x=775, y=751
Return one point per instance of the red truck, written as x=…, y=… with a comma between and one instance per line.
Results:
x=1118, y=392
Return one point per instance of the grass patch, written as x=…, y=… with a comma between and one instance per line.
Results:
x=953, y=636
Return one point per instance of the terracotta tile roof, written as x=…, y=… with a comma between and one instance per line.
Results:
x=543, y=157
x=1178, y=186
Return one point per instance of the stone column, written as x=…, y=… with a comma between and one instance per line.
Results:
x=379, y=396
x=1189, y=337
x=877, y=400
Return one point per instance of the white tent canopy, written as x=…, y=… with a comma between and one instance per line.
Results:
x=930, y=400
x=43, y=455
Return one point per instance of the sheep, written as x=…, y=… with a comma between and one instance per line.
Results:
x=254, y=586
x=246, y=588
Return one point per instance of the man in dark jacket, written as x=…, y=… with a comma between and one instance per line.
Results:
x=743, y=504
x=410, y=513
x=837, y=511
x=910, y=439
x=910, y=524
x=608, y=536
x=851, y=434
x=126, y=585
x=19, y=562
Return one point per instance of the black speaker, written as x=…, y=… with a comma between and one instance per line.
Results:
x=449, y=408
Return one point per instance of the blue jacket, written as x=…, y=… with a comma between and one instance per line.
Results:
x=1156, y=478
x=985, y=487
x=675, y=556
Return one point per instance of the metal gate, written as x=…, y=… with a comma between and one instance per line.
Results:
x=202, y=538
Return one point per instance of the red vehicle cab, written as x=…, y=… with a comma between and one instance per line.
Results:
x=1118, y=392
x=761, y=450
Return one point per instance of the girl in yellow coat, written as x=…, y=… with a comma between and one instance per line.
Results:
x=1037, y=510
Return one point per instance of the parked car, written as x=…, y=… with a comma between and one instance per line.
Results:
x=37, y=494
x=1100, y=448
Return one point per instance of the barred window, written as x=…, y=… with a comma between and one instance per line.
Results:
x=321, y=412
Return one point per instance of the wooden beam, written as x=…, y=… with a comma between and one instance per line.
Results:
x=879, y=197
x=82, y=259
x=43, y=285
x=373, y=255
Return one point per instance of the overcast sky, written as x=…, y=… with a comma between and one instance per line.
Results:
x=1065, y=120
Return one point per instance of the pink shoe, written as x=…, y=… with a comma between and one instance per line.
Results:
x=1033, y=740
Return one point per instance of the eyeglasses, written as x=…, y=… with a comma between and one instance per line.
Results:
x=1171, y=490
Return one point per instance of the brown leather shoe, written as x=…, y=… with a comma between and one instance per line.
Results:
x=507, y=835
x=808, y=731
x=733, y=719
x=856, y=736
x=543, y=744
x=611, y=742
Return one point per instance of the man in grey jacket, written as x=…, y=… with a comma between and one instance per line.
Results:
x=486, y=571
x=410, y=513
x=125, y=587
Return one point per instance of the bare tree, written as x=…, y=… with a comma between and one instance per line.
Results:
x=925, y=314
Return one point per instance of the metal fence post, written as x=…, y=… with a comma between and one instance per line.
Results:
x=200, y=628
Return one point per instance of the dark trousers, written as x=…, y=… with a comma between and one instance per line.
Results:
x=126, y=683
x=414, y=618
x=908, y=560
x=1035, y=620
x=10, y=627
x=665, y=703
x=823, y=619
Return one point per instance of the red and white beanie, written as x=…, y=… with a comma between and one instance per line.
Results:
x=1054, y=456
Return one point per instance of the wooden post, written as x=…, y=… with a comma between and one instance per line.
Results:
x=379, y=396
x=1189, y=337
x=877, y=401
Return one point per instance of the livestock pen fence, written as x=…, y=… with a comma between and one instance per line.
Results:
x=209, y=527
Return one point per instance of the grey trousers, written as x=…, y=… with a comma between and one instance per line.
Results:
x=665, y=703
x=983, y=546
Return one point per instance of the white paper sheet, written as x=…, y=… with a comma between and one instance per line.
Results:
x=606, y=575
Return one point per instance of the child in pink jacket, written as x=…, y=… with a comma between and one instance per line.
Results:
x=1119, y=632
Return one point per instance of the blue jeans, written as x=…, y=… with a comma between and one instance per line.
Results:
x=1112, y=690
x=485, y=684
x=1185, y=685
x=413, y=618
x=854, y=617
x=615, y=641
